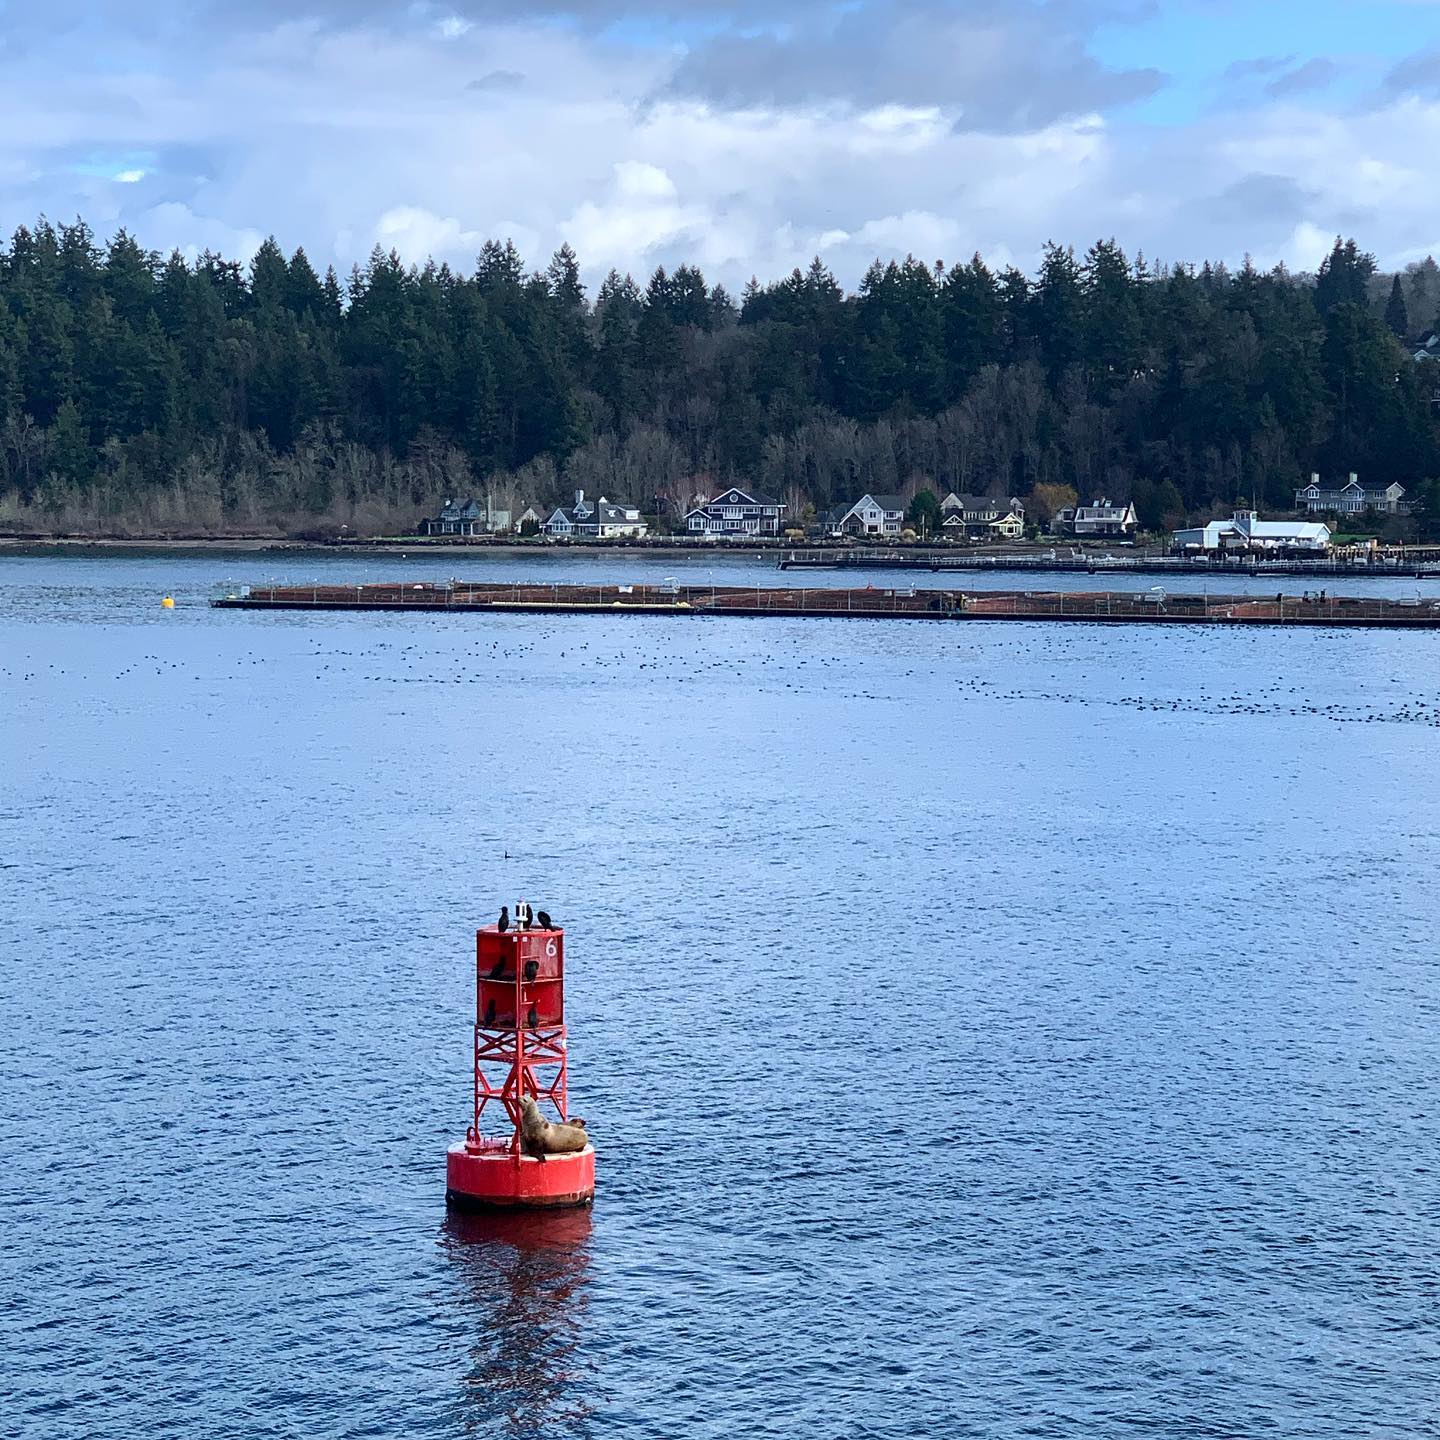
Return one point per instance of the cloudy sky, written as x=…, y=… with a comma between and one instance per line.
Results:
x=648, y=131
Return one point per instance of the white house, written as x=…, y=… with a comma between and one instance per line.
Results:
x=879, y=515
x=1099, y=519
x=1245, y=530
x=982, y=517
x=736, y=512
x=1352, y=498
x=1428, y=349
x=604, y=520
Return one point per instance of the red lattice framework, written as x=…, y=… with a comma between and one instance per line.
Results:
x=520, y=1038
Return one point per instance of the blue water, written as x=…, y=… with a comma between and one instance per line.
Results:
x=994, y=1031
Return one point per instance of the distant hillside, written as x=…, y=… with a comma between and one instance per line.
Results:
x=142, y=394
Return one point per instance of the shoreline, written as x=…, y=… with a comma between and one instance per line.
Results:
x=255, y=544
x=1028, y=559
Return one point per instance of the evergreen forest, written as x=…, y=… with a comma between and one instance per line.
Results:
x=141, y=394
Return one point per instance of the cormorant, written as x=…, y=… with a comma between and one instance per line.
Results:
x=497, y=970
x=545, y=922
x=489, y=1014
x=532, y=969
x=503, y=923
x=533, y=1018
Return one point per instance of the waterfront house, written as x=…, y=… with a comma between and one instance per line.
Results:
x=735, y=512
x=465, y=517
x=1354, y=497
x=601, y=520
x=1246, y=531
x=982, y=517
x=1098, y=520
x=881, y=516
x=530, y=516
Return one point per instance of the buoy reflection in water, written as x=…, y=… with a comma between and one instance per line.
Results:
x=521, y=1280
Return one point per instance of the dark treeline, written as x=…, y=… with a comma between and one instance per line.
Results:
x=138, y=392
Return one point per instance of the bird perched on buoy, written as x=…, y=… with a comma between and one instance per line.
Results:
x=489, y=1014
x=503, y=923
x=545, y=922
x=533, y=1018
x=532, y=969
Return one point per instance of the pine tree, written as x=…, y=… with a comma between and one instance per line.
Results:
x=269, y=277
x=303, y=293
x=618, y=307
x=129, y=278
x=1059, y=310
x=1343, y=277
x=1396, y=315
x=1112, y=317
x=69, y=452
x=568, y=294
x=972, y=322
x=499, y=266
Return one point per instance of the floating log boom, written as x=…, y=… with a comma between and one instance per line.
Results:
x=1106, y=606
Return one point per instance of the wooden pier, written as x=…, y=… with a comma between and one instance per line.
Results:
x=1106, y=607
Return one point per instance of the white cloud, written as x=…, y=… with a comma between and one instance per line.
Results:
x=642, y=212
x=918, y=232
x=1307, y=247
x=340, y=136
x=635, y=180
x=173, y=226
x=414, y=234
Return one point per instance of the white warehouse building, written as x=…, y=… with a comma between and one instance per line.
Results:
x=1245, y=530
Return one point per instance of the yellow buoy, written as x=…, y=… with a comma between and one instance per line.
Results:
x=167, y=603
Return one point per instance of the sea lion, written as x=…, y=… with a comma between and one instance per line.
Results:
x=538, y=1137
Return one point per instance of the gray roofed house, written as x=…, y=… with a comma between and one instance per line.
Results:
x=598, y=520
x=982, y=517
x=882, y=515
x=1354, y=497
x=1099, y=518
x=735, y=512
x=465, y=517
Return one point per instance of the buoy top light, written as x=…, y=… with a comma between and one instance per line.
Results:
x=168, y=603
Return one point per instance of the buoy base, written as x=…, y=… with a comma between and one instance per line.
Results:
x=495, y=1178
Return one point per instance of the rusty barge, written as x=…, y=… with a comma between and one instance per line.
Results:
x=1105, y=607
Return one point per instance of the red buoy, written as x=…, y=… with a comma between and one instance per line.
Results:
x=520, y=1052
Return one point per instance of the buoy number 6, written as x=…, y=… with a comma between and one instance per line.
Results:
x=551, y=949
